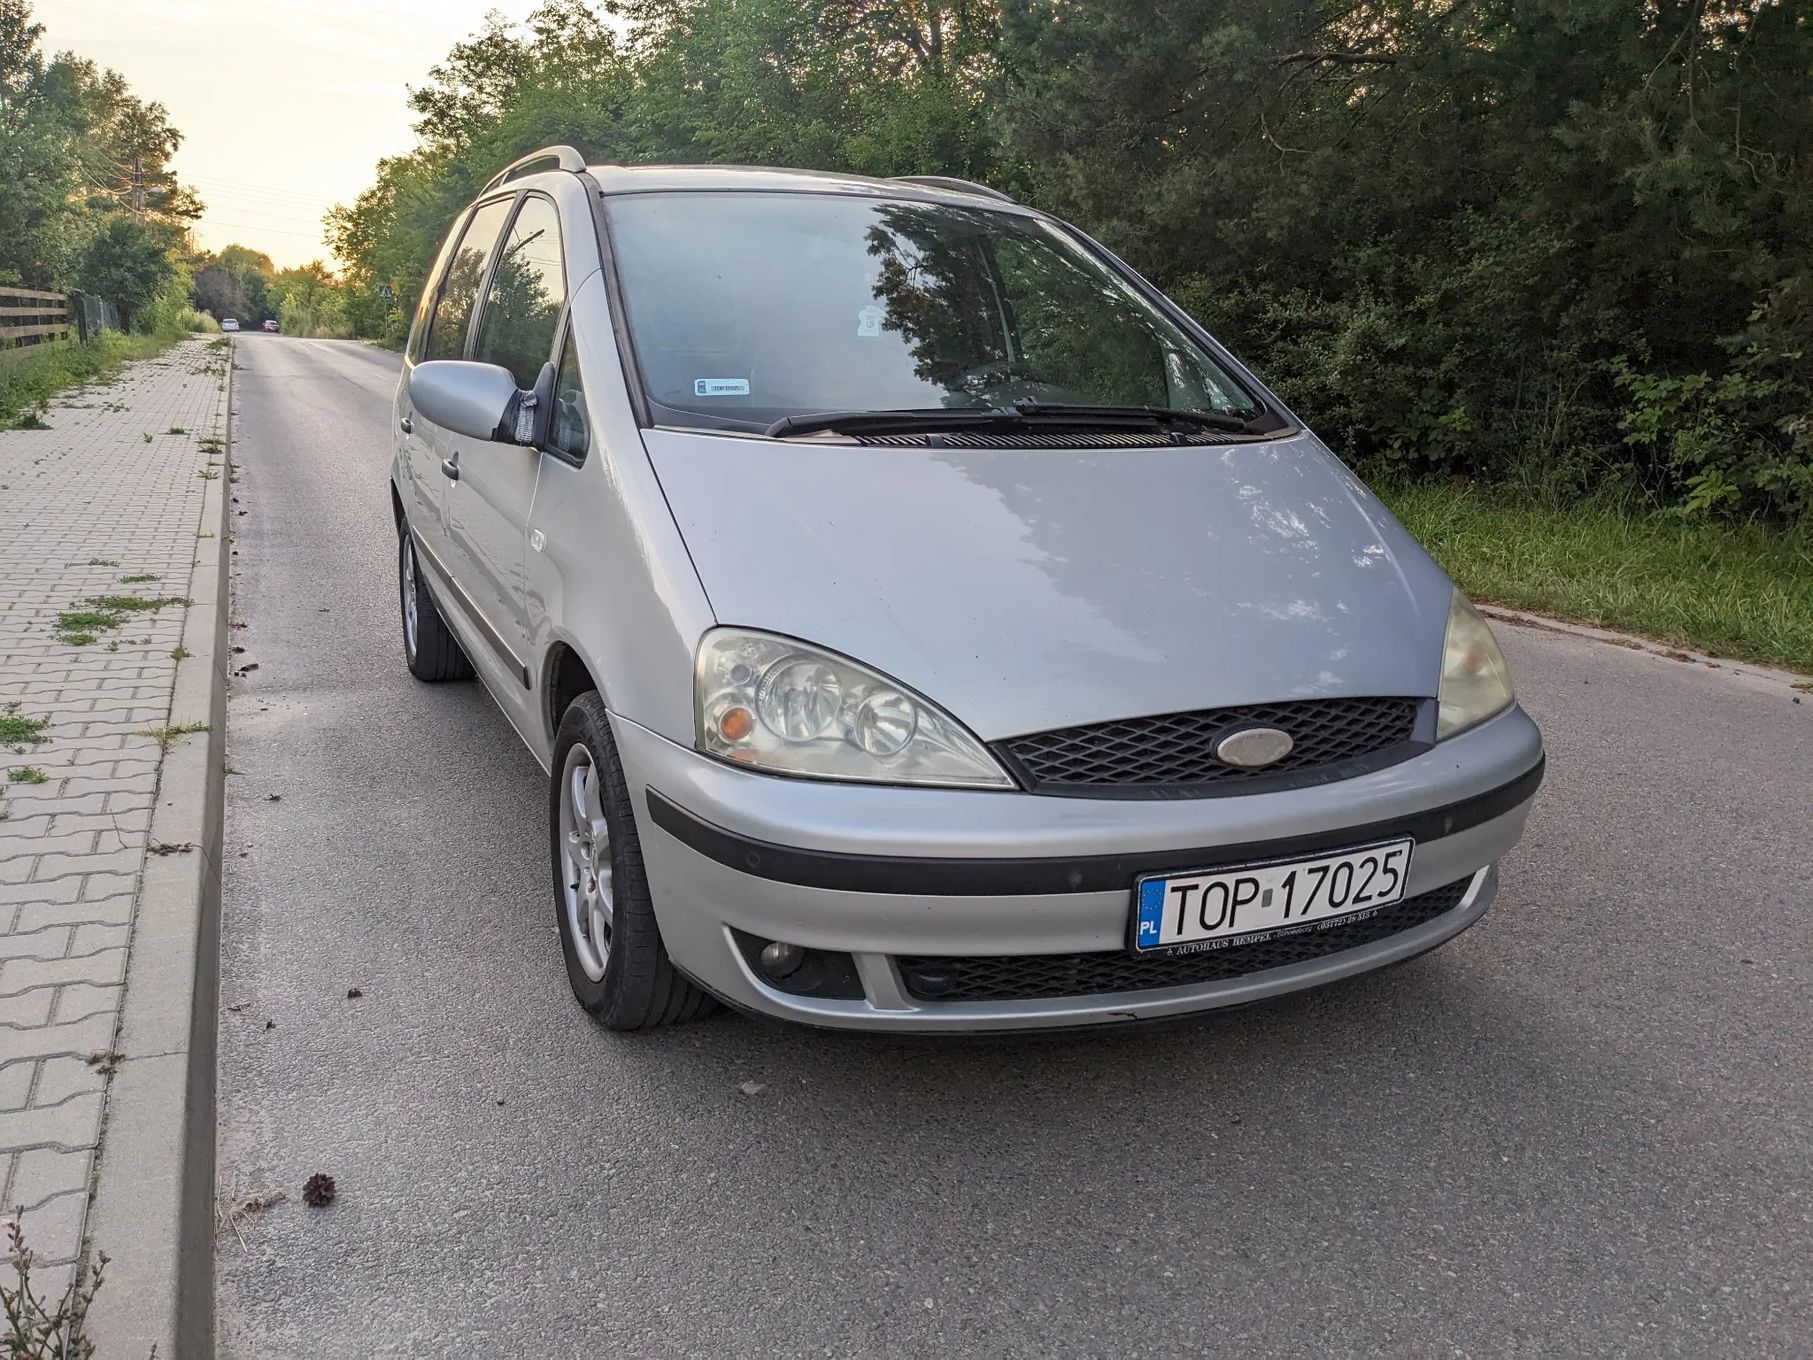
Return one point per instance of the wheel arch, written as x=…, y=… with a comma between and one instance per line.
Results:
x=565, y=675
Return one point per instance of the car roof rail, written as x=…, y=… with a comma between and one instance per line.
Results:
x=966, y=186
x=564, y=157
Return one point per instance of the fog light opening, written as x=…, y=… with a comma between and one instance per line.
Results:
x=780, y=960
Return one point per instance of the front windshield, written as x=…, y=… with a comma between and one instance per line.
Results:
x=746, y=307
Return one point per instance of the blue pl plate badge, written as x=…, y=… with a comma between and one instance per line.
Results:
x=1151, y=912
x=720, y=387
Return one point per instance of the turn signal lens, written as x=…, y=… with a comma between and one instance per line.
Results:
x=735, y=724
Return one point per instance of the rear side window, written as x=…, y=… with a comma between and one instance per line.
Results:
x=465, y=276
x=424, y=307
x=528, y=291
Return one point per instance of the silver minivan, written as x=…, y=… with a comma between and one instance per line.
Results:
x=925, y=625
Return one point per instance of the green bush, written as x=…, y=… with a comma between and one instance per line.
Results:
x=169, y=314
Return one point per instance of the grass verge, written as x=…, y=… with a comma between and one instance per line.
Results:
x=1737, y=590
x=30, y=379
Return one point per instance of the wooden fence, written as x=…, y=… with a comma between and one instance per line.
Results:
x=30, y=317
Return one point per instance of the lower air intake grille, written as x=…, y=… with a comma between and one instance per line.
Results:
x=1030, y=977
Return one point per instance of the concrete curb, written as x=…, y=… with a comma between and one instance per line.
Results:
x=1769, y=676
x=153, y=1206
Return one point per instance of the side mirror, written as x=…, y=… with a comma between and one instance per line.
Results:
x=479, y=401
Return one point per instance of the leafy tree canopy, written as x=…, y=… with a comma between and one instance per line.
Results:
x=1558, y=242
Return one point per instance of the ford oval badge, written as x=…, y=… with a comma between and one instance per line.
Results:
x=1253, y=748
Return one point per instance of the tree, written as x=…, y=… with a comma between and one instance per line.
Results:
x=41, y=128
x=236, y=283
x=1447, y=229
x=309, y=301
x=126, y=149
x=127, y=261
x=71, y=135
x=1558, y=241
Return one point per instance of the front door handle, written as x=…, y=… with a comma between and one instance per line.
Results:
x=450, y=469
x=407, y=425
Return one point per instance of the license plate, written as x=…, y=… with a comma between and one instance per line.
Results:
x=1187, y=913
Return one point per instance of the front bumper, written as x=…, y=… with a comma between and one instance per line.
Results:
x=881, y=872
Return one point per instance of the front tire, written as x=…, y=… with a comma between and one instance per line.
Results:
x=430, y=648
x=616, y=961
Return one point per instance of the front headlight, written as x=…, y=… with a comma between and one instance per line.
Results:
x=775, y=704
x=1476, y=683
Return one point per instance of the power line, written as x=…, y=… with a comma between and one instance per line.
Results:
x=261, y=212
x=258, y=190
x=205, y=220
x=266, y=204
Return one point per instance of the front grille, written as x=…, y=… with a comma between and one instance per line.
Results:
x=1176, y=751
x=1032, y=977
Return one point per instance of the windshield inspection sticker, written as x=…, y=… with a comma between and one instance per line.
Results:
x=868, y=321
x=720, y=387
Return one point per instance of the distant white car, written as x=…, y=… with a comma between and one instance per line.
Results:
x=271, y=326
x=229, y=324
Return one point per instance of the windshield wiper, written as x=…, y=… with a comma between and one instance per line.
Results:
x=1233, y=422
x=881, y=422
x=1023, y=414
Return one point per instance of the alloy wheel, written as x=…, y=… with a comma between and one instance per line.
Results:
x=585, y=846
x=409, y=595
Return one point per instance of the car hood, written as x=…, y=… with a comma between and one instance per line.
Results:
x=1026, y=589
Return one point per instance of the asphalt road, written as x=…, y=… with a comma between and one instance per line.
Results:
x=1582, y=1128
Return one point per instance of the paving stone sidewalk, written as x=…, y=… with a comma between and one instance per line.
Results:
x=107, y=501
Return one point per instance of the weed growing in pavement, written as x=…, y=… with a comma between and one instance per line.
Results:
x=138, y=577
x=176, y=429
x=102, y=562
x=34, y=1329
x=33, y=420
x=135, y=604
x=18, y=732
x=178, y=652
x=208, y=475
x=221, y=343
x=166, y=735
x=146, y=436
x=79, y=627
x=27, y=774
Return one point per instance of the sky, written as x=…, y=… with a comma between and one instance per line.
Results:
x=285, y=106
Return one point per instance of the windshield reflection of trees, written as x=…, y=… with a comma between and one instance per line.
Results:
x=991, y=311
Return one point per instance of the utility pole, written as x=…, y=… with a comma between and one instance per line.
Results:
x=138, y=186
